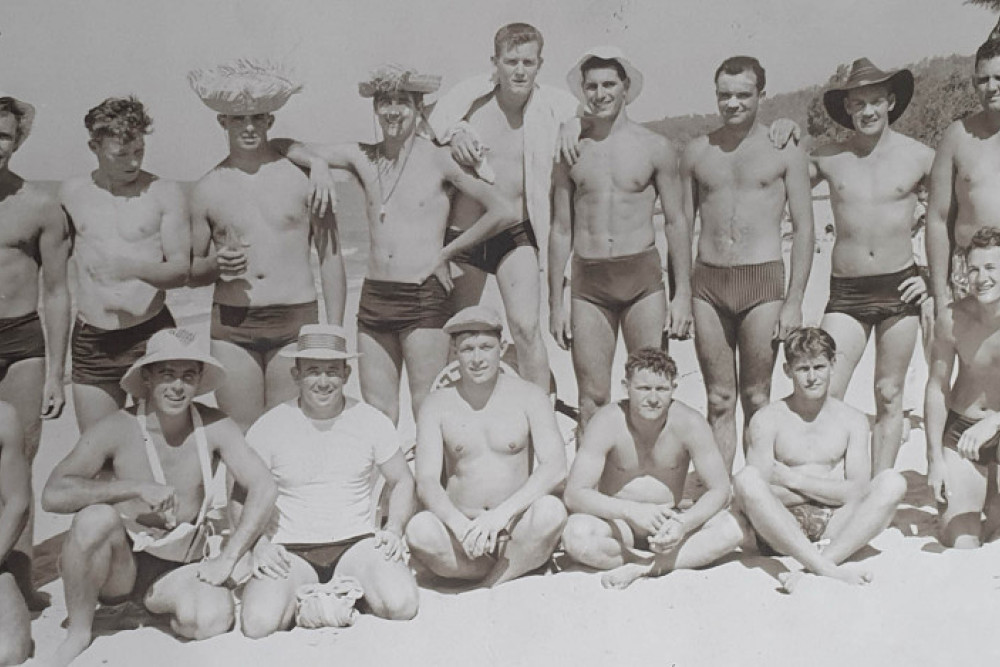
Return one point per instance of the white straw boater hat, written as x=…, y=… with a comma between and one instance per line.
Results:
x=245, y=87
x=574, y=78
x=320, y=341
x=27, y=112
x=175, y=345
x=391, y=78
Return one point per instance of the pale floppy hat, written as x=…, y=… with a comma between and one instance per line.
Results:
x=245, y=87
x=574, y=78
x=473, y=319
x=320, y=341
x=175, y=345
x=27, y=112
x=391, y=78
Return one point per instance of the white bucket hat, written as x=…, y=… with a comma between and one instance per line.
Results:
x=174, y=345
x=574, y=78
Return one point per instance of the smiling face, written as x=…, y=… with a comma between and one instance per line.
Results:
x=987, y=83
x=605, y=91
x=517, y=66
x=171, y=385
x=120, y=161
x=321, y=386
x=246, y=133
x=983, y=267
x=869, y=108
x=397, y=114
x=649, y=393
x=810, y=375
x=737, y=97
x=479, y=354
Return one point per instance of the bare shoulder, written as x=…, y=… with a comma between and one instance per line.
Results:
x=917, y=149
x=165, y=188
x=607, y=426
x=682, y=416
x=774, y=413
x=437, y=402
x=694, y=149
x=829, y=149
x=213, y=416
x=846, y=415
x=72, y=186
x=39, y=204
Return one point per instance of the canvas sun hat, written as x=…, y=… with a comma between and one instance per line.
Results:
x=474, y=318
x=320, y=341
x=391, y=78
x=245, y=87
x=175, y=345
x=574, y=78
x=864, y=73
x=27, y=112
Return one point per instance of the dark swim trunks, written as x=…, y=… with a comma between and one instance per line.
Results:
x=488, y=255
x=614, y=284
x=324, y=557
x=736, y=290
x=262, y=329
x=148, y=569
x=955, y=425
x=101, y=356
x=813, y=519
x=20, y=338
x=391, y=307
x=872, y=299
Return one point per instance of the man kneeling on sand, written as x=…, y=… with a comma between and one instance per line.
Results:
x=489, y=455
x=325, y=448
x=629, y=475
x=140, y=535
x=807, y=487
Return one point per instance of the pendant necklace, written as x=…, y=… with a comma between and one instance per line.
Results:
x=399, y=174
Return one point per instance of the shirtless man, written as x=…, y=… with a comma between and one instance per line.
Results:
x=404, y=298
x=324, y=451
x=15, y=504
x=493, y=439
x=628, y=477
x=807, y=481
x=34, y=236
x=505, y=126
x=875, y=285
x=131, y=242
x=129, y=539
x=963, y=419
x=740, y=184
x=965, y=181
x=603, y=213
x=252, y=233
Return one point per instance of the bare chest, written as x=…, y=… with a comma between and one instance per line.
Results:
x=744, y=169
x=977, y=164
x=876, y=179
x=273, y=199
x=100, y=217
x=19, y=228
x=820, y=442
x=615, y=165
x=499, y=432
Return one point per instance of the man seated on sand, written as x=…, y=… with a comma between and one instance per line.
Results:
x=138, y=536
x=489, y=455
x=963, y=419
x=807, y=488
x=324, y=449
x=15, y=499
x=628, y=477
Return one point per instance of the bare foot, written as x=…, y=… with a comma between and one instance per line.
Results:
x=624, y=576
x=851, y=575
x=71, y=647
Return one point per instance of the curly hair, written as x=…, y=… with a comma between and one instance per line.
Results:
x=809, y=343
x=513, y=35
x=739, y=64
x=122, y=118
x=985, y=237
x=652, y=359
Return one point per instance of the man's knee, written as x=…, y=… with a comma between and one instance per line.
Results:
x=890, y=486
x=398, y=602
x=198, y=618
x=425, y=533
x=579, y=534
x=261, y=620
x=754, y=397
x=888, y=395
x=748, y=484
x=721, y=401
x=93, y=526
x=546, y=516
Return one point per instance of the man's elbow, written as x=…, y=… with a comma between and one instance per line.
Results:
x=54, y=499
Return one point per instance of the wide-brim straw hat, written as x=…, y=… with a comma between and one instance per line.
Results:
x=864, y=73
x=245, y=87
x=175, y=345
x=574, y=78
x=391, y=78
x=27, y=112
x=320, y=341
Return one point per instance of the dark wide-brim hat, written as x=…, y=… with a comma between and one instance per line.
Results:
x=864, y=73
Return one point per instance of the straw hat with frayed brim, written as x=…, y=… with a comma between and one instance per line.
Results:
x=392, y=78
x=27, y=112
x=175, y=345
x=320, y=341
x=244, y=88
x=574, y=78
x=864, y=73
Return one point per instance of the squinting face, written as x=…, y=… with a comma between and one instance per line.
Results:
x=737, y=97
x=649, y=393
x=120, y=161
x=983, y=266
x=478, y=356
x=987, y=83
x=321, y=385
x=517, y=66
x=869, y=108
x=810, y=375
x=247, y=132
x=604, y=91
x=397, y=114
x=172, y=384
x=8, y=137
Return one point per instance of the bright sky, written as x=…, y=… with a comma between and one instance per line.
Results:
x=65, y=57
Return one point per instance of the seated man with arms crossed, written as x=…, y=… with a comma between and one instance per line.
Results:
x=15, y=499
x=135, y=535
x=493, y=518
x=324, y=448
x=807, y=482
x=963, y=419
x=628, y=477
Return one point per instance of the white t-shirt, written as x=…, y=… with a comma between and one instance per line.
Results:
x=325, y=470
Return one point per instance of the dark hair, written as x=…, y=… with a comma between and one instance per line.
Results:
x=515, y=34
x=652, y=359
x=9, y=106
x=985, y=237
x=739, y=64
x=989, y=50
x=593, y=62
x=808, y=343
x=418, y=98
x=122, y=118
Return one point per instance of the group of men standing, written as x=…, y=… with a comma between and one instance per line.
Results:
x=511, y=178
